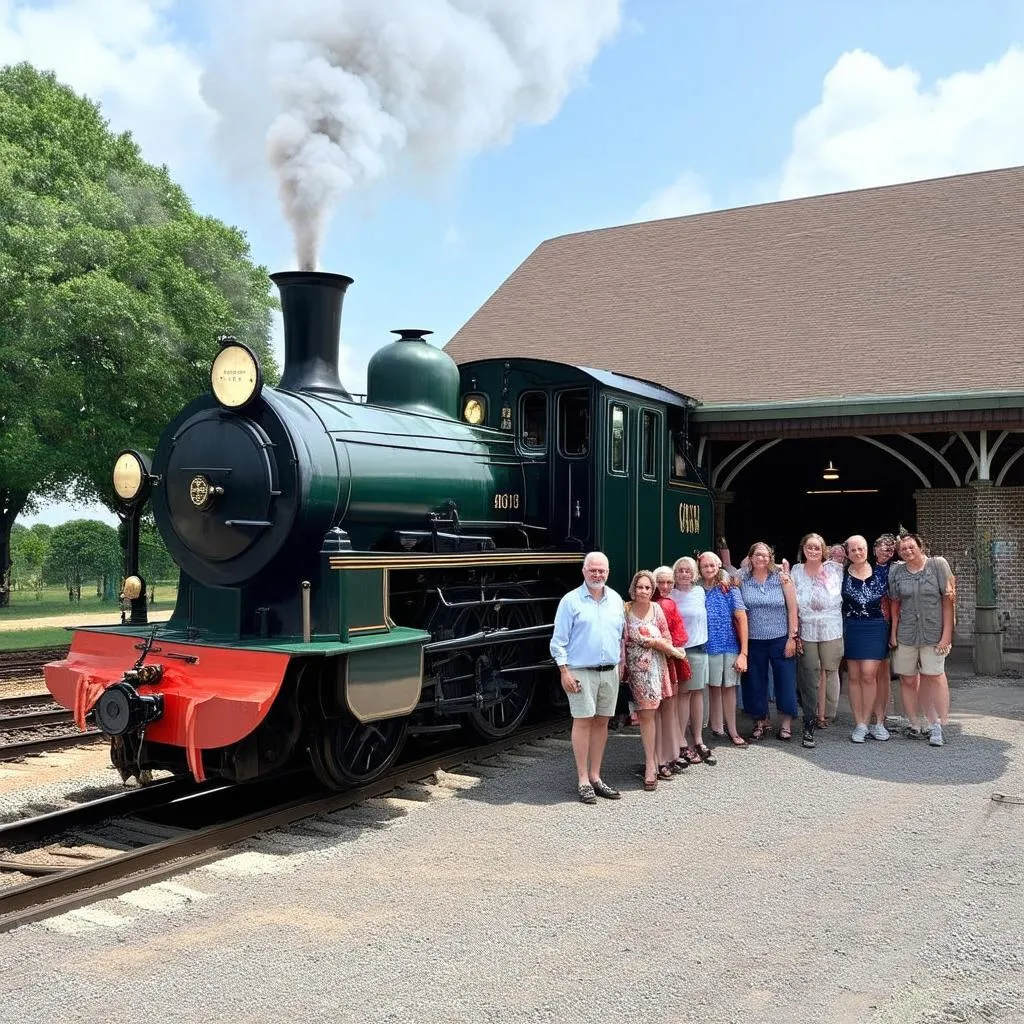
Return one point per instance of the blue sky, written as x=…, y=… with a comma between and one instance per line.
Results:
x=690, y=106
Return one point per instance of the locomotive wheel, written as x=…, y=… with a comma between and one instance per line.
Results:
x=347, y=752
x=504, y=717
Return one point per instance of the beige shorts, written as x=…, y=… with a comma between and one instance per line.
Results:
x=908, y=660
x=599, y=692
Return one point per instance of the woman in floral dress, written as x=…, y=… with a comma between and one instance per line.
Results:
x=647, y=642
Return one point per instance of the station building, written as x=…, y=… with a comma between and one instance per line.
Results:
x=857, y=359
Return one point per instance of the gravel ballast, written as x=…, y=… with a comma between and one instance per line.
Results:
x=865, y=883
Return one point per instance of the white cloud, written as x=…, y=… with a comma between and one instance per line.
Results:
x=684, y=196
x=452, y=237
x=124, y=55
x=877, y=125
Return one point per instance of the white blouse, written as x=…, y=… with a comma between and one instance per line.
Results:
x=819, y=600
x=695, y=617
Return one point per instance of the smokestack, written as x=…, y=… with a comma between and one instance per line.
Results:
x=311, y=305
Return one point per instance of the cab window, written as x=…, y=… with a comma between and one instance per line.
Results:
x=574, y=423
x=617, y=439
x=680, y=470
x=649, y=431
x=533, y=421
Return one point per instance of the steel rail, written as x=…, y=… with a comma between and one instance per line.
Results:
x=57, y=716
x=132, y=801
x=25, y=700
x=9, y=751
x=28, y=662
x=59, y=893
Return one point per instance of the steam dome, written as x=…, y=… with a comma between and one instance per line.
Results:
x=412, y=375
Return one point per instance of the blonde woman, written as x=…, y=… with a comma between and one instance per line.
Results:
x=726, y=647
x=866, y=636
x=689, y=599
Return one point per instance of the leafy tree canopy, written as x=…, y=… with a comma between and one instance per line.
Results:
x=80, y=550
x=28, y=552
x=112, y=293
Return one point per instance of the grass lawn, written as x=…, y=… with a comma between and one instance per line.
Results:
x=20, y=639
x=54, y=601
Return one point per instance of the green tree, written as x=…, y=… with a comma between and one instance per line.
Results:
x=80, y=550
x=112, y=293
x=28, y=552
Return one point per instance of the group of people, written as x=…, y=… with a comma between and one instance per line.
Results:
x=702, y=626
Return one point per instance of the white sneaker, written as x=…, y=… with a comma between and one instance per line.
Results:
x=877, y=731
x=935, y=735
x=860, y=734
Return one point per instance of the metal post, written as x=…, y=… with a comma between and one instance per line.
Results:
x=139, y=615
x=307, y=627
x=988, y=634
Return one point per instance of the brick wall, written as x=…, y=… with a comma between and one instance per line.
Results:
x=949, y=519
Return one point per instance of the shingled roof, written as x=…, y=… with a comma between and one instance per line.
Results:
x=907, y=289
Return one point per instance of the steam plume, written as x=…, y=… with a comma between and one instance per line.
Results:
x=346, y=91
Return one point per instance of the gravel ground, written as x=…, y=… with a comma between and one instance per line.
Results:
x=876, y=883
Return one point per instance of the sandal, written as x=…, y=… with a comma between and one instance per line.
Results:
x=691, y=756
x=664, y=772
x=739, y=741
x=705, y=754
x=719, y=735
x=785, y=735
x=761, y=729
x=650, y=785
x=821, y=723
x=678, y=767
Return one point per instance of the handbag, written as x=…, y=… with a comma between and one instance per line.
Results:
x=683, y=671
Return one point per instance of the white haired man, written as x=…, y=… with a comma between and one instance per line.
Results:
x=586, y=645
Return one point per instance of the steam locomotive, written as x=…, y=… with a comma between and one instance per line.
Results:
x=352, y=573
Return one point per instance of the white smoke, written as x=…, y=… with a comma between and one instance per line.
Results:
x=347, y=91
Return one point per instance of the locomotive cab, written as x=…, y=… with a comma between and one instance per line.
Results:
x=606, y=457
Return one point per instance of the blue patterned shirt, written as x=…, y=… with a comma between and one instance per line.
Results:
x=767, y=618
x=722, y=638
x=862, y=599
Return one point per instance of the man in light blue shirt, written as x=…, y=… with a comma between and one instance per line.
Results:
x=586, y=645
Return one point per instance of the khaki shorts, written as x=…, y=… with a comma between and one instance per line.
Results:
x=908, y=660
x=721, y=671
x=598, y=695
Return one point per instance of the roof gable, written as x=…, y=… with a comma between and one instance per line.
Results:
x=905, y=289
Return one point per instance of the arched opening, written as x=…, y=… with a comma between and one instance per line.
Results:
x=781, y=495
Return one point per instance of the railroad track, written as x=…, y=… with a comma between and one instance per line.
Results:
x=163, y=848
x=25, y=664
x=33, y=724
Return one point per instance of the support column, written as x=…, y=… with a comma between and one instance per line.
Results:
x=988, y=633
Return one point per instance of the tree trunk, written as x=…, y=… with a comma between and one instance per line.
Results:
x=11, y=505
